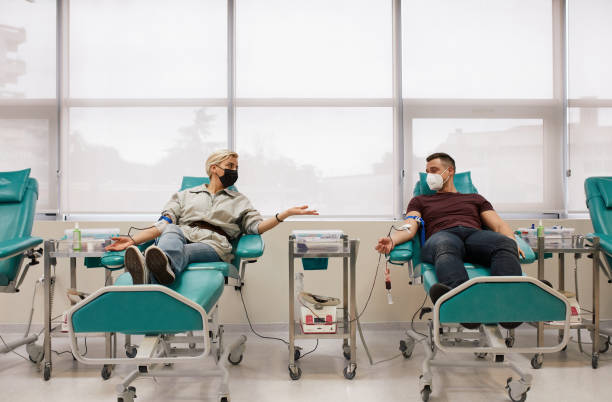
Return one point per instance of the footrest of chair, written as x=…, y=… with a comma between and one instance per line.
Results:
x=146, y=309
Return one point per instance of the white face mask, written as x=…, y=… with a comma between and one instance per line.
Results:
x=435, y=180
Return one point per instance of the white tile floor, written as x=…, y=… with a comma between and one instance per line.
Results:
x=263, y=376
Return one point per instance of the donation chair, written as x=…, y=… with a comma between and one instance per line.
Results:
x=598, y=192
x=179, y=322
x=18, y=196
x=484, y=299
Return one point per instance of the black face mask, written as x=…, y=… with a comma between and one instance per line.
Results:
x=229, y=177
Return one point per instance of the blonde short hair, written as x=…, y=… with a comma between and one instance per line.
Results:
x=217, y=157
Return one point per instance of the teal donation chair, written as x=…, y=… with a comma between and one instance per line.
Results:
x=598, y=191
x=18, y=196
x=179, y=322
x=483, y=300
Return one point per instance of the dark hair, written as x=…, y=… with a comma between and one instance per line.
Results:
x=446, y=158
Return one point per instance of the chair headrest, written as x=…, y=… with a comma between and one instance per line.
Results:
x=194, y=181
x=13, y=185
x=463, y=184
x=605, y=188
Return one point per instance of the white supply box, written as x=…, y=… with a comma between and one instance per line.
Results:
x=321, y=321
x=556, y=236
x=317, y=241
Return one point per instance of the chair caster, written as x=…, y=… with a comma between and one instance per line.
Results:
x=295, y=373
x=510, y=341
x=346, y=352
x=349, y=372
x=47, y=372
x=407, y=347
x=537, y=361
x=224, y=399
x=517, y=390
x=36, y=352
x=297, y=353
x=595, y=362
x=106, y=372
x=127, y=395
x=425, y=392
x=131, y=351
x=235, y=362
x=480, y=355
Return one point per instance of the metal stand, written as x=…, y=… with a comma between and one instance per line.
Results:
x=51, y=254
x=593, y=250
x=345, y=329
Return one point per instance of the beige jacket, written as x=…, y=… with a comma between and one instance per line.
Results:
x=229, y=210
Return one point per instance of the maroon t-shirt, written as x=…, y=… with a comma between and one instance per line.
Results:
x=446, y=210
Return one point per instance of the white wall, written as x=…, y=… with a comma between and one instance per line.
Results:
x=266, y=292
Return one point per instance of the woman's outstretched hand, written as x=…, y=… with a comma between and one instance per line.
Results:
x=121, y=243
x=303, y=210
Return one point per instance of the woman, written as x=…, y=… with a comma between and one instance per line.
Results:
x=197, y=225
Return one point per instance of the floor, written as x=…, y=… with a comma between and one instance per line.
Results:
x=263, y=375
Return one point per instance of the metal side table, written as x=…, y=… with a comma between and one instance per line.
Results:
x=346, y=328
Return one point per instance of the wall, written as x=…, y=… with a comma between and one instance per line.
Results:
x=266, y=290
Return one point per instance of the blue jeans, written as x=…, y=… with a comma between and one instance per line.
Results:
x=181, y=252
x=449, y=248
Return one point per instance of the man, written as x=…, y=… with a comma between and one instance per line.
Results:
x=454, y=225
x=197, y=225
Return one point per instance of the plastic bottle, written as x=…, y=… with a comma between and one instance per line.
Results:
x=540, y=231
x=76, y=238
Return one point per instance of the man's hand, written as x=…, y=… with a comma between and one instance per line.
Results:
x=303, y=210
x=121, y=243
x=520, y=252
x=385, y=245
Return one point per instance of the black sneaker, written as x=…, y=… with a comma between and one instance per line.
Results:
x=437, y=290
x=135, y=264
x=158, y=264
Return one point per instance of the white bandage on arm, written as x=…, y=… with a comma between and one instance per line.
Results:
x=162, y=223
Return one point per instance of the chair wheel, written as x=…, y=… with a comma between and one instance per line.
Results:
x=480, y=355
x=131, y=351
x=297, y=354
x=349, y=375
x=47, y=372
x=295, y=375
x=234, y=362
x=425, y=392
x=536, y=362
x=106, y=372
x=595, y=362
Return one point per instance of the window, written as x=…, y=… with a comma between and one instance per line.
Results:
x=147, y=101
x=477, y=49
x=590, y=96
x=590, y=132
x=148, y=49
x=508, y=178
x=313, y=49
x=482, y=90
x=131, y=160
x=336, y=160
x=28, y=111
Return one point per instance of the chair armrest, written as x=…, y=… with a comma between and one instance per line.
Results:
x=401, y=253
x=249, y=246
x=13, y=247
x=605, y=241
x=530, y=255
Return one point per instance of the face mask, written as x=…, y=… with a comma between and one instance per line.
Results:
x=229, y=177
x=435, y=181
